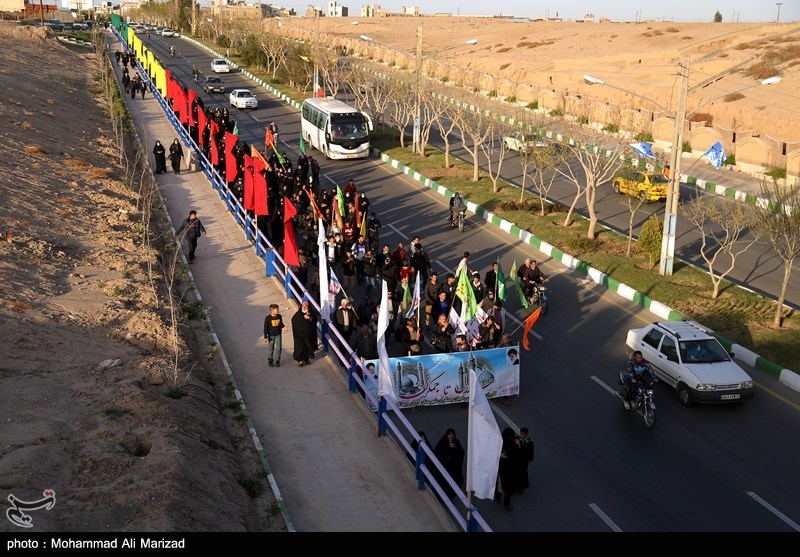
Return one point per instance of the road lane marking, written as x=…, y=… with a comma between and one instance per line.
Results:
x=605, y=518
x=398, y=231
x=602, y=384
x=791, y=523
x=503, y=416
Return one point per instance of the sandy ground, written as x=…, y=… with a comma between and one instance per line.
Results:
x=119, y=454
x=639, y=57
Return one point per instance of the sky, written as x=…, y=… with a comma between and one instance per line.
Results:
x=617, y=10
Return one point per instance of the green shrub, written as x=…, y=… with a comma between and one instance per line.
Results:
x=444, y=79
x=583, y=120
x=611, y=128
x=644, y=136
x=511, y=99
x=649, y=241
x=493, y=93
x=777, y=173
x=533, y=105
x=557, y=112
x=223, y=41
x=730, y=160
x=687, y=147
x=579, y=245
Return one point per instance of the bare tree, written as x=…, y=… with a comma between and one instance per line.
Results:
x=432, y=108
x=357, y=79
x=634, y=204
x=274, y=46
x=778, y=222
x=446, y=122
x=596, y=167
x=379, y=94
x=541, y=162
x=494, y=147
x=475, y=127
x=402, y=107
x=722, y=227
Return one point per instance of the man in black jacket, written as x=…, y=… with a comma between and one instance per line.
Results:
x=421, y=263
x=194, y=228
x=431, y=297
x=273, y=328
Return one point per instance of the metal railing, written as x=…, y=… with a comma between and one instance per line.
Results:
x=389, y=417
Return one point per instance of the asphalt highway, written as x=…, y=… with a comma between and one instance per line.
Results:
x=728, y=468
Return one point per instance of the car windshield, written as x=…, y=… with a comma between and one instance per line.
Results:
x=658, y=179
x=702, y=352
x=213, y=80
x=244, y=94
x=348, y=126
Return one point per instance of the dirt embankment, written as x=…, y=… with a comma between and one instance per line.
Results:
x=85, y=357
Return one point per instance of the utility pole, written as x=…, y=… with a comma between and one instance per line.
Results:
x=779, y=4
x=417, y=95
x=194, y=17
x=673, y=193
x=316, y=53
x=41, y=13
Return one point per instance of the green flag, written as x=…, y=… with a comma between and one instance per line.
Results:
x=406, y=302
x=501, y=282
x=467, y=295
x=521, y=295
x=302, y=145
x=340, y=200
x=236, y=128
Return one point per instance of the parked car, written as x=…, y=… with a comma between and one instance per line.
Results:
x=243, y=98
x=645, y=186
x=168, y=33
x=218, y=65
x=519, y=141
x=685, y=356
x=158, y=30
x=213, y=84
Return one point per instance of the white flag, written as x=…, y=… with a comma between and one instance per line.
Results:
x=484, y=443
x=324, y=303
x=414, y=299
x=473, y=332
x=333, y=288
x=385, y=387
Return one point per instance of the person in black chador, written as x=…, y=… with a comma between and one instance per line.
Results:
x=302, y=323
x=175, y=156
x=194, y=228
x=161, y=159
x=451, y=454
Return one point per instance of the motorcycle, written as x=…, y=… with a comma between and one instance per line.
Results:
x=539, y=296
x=458, y=219
x=642, y=403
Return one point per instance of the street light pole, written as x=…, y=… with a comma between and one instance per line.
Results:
x=665, y=265
x=417, y=95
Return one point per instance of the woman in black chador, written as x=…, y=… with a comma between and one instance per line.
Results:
x=161, y=158
x=451, y=454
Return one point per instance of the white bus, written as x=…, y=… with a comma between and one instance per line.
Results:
x=337, y=129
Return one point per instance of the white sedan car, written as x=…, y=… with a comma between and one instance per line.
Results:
x=519, y=141
x=687, y=357
x=243, y=98
x=218, y=65
x=168, y=33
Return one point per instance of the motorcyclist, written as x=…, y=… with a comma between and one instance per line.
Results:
x=172, y=51
x=530, y=275
x=456, y=205
x=195, y=72
x=637, y=371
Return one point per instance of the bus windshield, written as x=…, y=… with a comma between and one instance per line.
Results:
x=348, y=127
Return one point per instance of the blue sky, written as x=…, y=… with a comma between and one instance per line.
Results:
x=625, y=10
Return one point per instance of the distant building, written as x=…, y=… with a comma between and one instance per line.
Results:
x=335, y=10
x=312, y=11
x=411, y=10
x=14, y=5
x=589, y=18
x=605, y=20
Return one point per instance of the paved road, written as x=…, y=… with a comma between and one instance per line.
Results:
x=758, y=269
x=715, y=468
x=334, y=472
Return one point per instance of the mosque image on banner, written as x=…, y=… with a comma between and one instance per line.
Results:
x=436, y=379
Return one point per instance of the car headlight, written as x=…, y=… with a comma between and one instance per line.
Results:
x=747, y=384
x=706, y=387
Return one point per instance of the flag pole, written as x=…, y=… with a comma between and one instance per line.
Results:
x=497, y=279
x=470, y=521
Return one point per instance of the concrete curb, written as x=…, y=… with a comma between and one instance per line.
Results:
x=250, y=426
x=785, y=376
